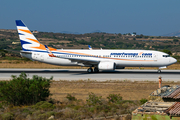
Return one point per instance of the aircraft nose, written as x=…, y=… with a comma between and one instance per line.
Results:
x=173, y=60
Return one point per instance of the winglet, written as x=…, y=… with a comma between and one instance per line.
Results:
x=90, y=48
x=50, y=53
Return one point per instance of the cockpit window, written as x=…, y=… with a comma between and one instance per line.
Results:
x=166, y=55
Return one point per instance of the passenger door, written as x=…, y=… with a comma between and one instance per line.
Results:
x=155, y=56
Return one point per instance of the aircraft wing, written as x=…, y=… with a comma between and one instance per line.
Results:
x=78, y=60
x=82, y=61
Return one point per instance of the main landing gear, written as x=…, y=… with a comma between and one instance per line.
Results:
x=90, y=70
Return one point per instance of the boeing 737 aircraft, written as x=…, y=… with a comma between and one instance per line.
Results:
x=97, y=59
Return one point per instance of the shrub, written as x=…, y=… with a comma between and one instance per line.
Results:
x=24, y=91
x=70, y=97
x=114, y=98
x=93, y=99
x=143, y=100
x=45, y=115
x=59, y=115
x=44, y=105
x=7, y=116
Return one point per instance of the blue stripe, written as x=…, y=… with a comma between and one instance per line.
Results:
x=20, y=34
x=20, y=23
x=24, y=42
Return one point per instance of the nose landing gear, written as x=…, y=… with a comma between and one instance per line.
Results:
x=159, y=71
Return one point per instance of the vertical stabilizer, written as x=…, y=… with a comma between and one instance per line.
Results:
x=28, y=40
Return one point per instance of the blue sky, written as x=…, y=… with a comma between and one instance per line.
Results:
x=148, y=17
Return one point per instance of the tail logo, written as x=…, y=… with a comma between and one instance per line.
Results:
x=28, y=40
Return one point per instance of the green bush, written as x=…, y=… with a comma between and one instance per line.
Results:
x=143, y=100
x=70, y=97
x=25, y=91
x=44, y=105
x=94, y=99
x=45, y=116
x=114, y=98
x=7, y=116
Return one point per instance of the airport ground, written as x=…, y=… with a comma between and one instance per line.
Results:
x=35, y=64
x=128, y=90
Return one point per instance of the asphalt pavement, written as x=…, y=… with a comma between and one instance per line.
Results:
x=81, y=74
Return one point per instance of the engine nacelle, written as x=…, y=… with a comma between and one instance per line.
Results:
x=106, y=66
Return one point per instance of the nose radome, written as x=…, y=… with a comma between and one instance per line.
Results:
x=174, y=60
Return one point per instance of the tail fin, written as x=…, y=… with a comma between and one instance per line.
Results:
x=28, y=40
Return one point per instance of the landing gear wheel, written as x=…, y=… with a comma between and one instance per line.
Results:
x=96, y=70
x=159, y=71
x=89, y=70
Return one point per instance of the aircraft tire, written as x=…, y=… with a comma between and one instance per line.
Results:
x=89, y=70
x=96, y=70
x=159, y=71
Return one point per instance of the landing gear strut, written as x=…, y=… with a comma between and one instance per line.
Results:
x=89, y=70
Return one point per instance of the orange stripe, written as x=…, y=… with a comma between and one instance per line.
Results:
x=27, y=31
x=41, y=47
x=102, y=57
x=52, y=49
x=140, y=53
x=32, y=40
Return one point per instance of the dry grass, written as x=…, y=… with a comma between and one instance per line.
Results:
x=35, y=64
x=29, y=64
x=80, y=89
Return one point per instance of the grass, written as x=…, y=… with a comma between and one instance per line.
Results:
x=127, y=89
x=31, y=64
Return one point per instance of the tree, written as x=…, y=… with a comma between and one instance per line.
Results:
x=134, y=33
x=167, y=51
x=175, y=40
x=25, y=91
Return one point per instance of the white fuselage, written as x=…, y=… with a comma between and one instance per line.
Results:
x=122, y=58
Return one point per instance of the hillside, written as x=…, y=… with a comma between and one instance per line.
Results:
x=173, y=34
x=9, y=40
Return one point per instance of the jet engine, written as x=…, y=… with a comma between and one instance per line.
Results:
x=106, y=66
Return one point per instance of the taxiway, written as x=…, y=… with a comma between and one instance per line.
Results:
x=81, y=74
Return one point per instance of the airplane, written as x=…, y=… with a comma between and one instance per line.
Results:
x=96, y=60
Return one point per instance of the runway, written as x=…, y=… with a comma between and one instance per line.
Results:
x=81, y=74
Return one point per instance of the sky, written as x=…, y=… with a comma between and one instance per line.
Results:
x=147, y=17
